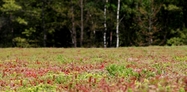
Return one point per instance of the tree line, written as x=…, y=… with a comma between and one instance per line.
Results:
x=92, y=23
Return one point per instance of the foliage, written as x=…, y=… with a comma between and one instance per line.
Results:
x=120, y=70
x=175, y=41
x=180, y=39
x=57, y=23
x=41, y=69
x=9, y=6
x=20, y=42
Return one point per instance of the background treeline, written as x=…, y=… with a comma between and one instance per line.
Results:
x=92, y=23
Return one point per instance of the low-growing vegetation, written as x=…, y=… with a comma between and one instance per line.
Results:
x=132, y=69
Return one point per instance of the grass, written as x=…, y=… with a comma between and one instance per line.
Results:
x=131, y=69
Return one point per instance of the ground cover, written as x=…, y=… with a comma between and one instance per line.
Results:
x=131, y=69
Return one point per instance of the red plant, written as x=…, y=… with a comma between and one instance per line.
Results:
x=102, y=66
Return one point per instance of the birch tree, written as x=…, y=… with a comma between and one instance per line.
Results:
x=105, y=25
x=117, y=25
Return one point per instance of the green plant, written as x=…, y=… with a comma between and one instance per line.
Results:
x=148, y=73
x=180, y=37
x=62, y=59
x=120, y=70
x=159, y=67
x=175, y=41
x=177, y=58
x=20, y=42
x=39, y=88
x=62, y=78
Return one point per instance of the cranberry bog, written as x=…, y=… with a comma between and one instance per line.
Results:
x=131, y=69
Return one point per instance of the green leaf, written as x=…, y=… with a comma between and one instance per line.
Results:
x=21, y=21
x=114, y=6
x=10, y=5
x=28, y=32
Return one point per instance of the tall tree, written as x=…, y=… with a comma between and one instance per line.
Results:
x=73, y=30
x=10, y=15
x=43, y=23
x=148, y=21
x=82, y=23
x=117, y=25
x=93, y=23
x=173, y=19
x=105, y=23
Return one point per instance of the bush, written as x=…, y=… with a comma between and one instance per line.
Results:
x=120, y=70
x=20, y=42
x=175, y=41
x=179, y=39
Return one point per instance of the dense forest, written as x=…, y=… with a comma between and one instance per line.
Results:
x=92, y=23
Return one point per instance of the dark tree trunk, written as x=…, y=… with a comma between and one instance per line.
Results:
x=82, y=25
x=74, y=37
x=111, y=34
x=43, y=24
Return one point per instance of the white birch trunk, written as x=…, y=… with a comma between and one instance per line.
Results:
x=117, y=25
x=105, y=25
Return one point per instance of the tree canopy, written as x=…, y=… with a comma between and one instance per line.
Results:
x=92, y=23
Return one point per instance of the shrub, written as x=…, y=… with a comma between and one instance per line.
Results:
x=120, y=70
x=20, y=42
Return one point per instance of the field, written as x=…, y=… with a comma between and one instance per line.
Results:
x=130, y=69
